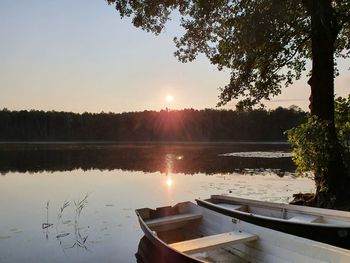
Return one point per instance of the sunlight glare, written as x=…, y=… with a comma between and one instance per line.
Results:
x=179, y=157
x=169, y=182
x=169, y=98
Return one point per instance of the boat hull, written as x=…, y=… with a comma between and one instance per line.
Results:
x=334, y=235
x=149, y=252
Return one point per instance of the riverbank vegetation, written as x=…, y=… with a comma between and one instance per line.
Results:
x=313, y=151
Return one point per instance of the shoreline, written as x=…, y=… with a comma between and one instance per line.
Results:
x=148, y=142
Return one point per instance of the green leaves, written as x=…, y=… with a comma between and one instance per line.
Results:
x=312, y=144
x=342, y=121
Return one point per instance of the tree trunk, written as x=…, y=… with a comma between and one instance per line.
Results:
x=332, y=183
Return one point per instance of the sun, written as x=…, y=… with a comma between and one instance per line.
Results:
x=169, y=98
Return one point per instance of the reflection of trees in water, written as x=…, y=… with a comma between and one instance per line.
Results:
x=173, y=158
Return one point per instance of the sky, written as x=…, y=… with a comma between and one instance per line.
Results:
x=81, y=56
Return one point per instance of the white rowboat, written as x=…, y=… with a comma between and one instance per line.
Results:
x=187, y=232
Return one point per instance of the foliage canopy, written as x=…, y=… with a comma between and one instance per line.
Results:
x=311, y=148
x=265, y=44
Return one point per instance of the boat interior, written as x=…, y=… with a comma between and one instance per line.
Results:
x=279, y=211
x=197, y=233
x=208, y=236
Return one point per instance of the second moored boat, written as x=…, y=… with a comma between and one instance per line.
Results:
x=324, y=225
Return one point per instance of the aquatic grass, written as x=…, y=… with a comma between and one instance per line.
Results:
x=62, y=235
x=64, y=206
x=59, y=220
x=79, y=205
x=46, y=224
x=79, y=239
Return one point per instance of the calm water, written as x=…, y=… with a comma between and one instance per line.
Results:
x=38, y=179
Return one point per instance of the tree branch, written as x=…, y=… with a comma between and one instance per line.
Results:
x=293, y=55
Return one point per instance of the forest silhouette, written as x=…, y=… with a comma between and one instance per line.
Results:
x=149, y=126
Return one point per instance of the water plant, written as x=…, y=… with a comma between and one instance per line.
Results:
x=62, y=230
x=45, y=226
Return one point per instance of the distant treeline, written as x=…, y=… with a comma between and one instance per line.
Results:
x=174, y=125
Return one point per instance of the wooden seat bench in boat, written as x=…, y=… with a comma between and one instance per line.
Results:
x=213, y=242
x=305, y=219
x=173, y=219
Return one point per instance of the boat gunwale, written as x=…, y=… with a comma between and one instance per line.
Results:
x=296, y=208
x=271, y=218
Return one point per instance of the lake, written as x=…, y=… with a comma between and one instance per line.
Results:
x=75, y=202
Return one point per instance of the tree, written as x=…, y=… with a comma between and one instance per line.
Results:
x=266, y=45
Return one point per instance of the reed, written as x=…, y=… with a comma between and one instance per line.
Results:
x=79, y=239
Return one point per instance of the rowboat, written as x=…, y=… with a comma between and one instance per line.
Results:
x=324, y=225
x=187, y=232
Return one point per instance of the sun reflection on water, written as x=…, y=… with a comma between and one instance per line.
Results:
x=169, y=181
x=179, y=157
x=169, y=159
